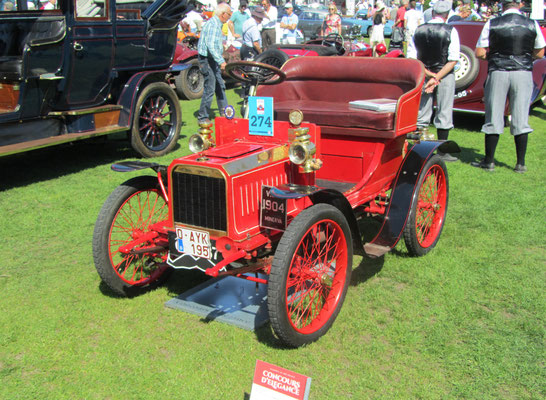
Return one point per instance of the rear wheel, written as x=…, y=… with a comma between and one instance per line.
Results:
x=127, y=215
x=428, y=209
x=156, y=122
x=310, y=274
x=189, y=83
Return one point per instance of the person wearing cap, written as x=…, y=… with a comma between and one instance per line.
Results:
x=235, y=23
x=508, y=43
x=252, y=39
x=462, y=14
x=437, y=45
x=211, y=62
x=289, y=25
x=269, y=32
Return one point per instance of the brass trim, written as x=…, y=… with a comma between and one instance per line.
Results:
x=198, y=170
x=101, y=109
x=212, y=232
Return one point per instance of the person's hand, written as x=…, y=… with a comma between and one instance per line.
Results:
x=431, y=84
x=223, y=66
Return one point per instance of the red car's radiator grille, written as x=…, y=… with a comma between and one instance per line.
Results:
x=199, y=200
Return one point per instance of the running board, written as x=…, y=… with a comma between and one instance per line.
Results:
x=53, y=140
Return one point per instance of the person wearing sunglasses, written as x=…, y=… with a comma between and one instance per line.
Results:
x=332, y=22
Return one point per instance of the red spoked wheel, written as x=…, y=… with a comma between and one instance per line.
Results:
x=429, y=208
x=310, y=274
x=128, y=253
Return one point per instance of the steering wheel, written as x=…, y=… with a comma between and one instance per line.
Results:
x=333, y=39
x=255, y=73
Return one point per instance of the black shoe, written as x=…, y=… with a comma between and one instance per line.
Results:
x=446, y=157
x=520, y=169
x=483, y=165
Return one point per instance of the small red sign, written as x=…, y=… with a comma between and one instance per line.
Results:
x=275, y=383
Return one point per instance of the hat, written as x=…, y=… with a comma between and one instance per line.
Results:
x=258, y=12
x=442, y=7
x=379, y=5
x=288, y=5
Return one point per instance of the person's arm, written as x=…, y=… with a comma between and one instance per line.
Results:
x=538, y=53
x=232, y=29
x=339, y=25
x=481, y=52
x=257, y=46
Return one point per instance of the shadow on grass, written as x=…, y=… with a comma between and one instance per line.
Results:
x=22, y=169
x=467, y=155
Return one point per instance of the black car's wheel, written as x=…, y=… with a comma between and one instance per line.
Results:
x=466, y=69
x=127, y=215
x=428, y=208
x=310, y=274
x=274, y=57
x=189, y=83
x=369, y=31
x=156, y=121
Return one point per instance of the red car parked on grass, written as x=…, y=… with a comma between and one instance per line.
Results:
x=286, y=198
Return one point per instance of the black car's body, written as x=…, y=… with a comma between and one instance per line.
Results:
x=85, y=68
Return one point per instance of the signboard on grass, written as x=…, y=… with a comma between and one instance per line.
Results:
x=275, y=383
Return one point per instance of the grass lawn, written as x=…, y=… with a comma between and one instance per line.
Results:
x=465, y=321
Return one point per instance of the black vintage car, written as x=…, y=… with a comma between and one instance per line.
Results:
x=72, y=69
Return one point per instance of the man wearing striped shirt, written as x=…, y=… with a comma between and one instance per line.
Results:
x=212, y=63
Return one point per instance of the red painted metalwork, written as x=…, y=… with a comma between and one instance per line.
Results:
x=316, y=277
x=136, y=224
x=225, y=262
x=431, y=206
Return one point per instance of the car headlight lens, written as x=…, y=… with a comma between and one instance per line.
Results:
x=300, y=152
x=198, y=143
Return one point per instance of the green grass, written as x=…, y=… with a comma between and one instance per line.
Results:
x=465, y=321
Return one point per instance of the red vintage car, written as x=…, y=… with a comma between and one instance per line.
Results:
x=284, y=197
x=471, y=73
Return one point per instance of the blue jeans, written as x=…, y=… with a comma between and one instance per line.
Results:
x=214, y=84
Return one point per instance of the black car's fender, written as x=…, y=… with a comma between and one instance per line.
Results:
x=129, y=95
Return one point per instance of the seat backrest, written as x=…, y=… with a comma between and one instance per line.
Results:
x=345, y=79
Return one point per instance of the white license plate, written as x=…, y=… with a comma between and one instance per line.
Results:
x=192, y=242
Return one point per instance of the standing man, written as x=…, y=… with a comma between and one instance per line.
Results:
x=237, y=20
x=252, y=39
x=269, y=35
x=509, y=43
x=212, y=63
x=437, y=45
x=289, y=24
x=412, y=19
x=399, y=22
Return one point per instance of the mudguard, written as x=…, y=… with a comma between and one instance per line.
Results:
x=402, y=194
x=129, y=95
x=128, y=166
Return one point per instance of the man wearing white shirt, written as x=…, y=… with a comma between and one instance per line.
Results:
x=437, y=45
x=509, y=43
x=269, y=23
x=412, y=19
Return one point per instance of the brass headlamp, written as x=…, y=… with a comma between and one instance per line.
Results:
x=203, y=140
x=302, y=150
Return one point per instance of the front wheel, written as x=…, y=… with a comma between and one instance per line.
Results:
x=428, y=208
x=156, y=122
x=126, y=216
x=310, y=274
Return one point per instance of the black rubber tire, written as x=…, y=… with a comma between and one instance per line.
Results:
x=369, y=31
x=286, y=253
x=274, y=57
x=419, y=247
x=189, y=83
x=104, y=232
x=469, y=66
x=161, y=96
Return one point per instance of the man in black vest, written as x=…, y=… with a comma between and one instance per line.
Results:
x=509, y=43
x=437, y=45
